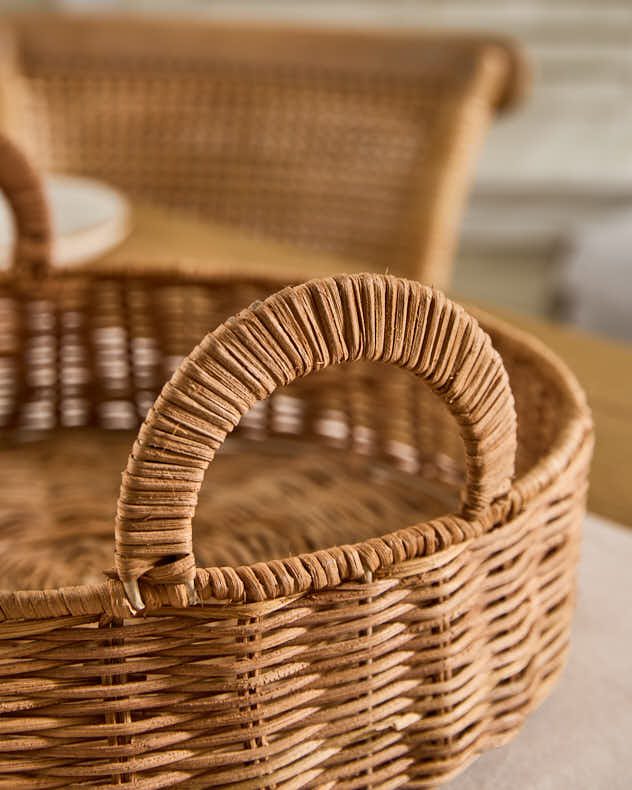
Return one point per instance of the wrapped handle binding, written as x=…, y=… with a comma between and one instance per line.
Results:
x=292, y=333
x=23, y=188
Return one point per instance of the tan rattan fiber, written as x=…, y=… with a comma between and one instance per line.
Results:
x=360, y=144
x=334, y=629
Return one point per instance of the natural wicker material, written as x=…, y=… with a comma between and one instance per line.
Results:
x=359, y=144
x=391, y=659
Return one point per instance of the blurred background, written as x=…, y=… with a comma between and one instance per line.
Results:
x=546, y=228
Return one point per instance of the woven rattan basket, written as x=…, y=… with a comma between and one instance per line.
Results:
x=335, y=630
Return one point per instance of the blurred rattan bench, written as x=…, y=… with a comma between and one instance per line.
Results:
x=356, y=144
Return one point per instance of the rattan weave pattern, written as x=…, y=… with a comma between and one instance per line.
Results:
x=348, y=634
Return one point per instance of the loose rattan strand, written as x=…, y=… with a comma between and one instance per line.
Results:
x=347, y=634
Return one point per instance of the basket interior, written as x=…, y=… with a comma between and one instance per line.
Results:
x=337, y=457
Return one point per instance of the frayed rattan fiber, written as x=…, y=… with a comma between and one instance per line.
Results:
x=333, y=629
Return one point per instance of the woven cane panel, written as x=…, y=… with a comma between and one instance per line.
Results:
x=321, y=160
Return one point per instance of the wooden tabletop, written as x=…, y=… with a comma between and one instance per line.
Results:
x=603, y=367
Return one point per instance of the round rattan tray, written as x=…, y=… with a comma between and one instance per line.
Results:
x=334, y=628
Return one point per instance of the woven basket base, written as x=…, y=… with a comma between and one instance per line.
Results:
x=60, y=496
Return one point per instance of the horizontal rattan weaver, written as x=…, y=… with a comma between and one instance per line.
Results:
x=371, y=654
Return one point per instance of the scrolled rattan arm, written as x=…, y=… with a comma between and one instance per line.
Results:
x=22, y=186
x=292, y=333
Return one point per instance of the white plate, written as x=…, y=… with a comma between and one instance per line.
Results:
x=88, y=217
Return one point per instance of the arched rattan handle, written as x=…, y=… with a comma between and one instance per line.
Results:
x=296, y=331
x=22, y=186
